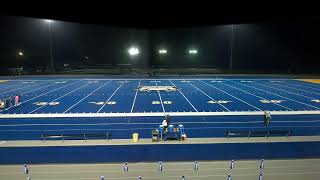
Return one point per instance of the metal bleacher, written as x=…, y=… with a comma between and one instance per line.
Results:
x=256, y=133
x=47, y=135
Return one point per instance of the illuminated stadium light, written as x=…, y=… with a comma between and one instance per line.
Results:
x=162, y=51
x=133, y=51
x=193, y=51
x=20, y=53
x=48, y=21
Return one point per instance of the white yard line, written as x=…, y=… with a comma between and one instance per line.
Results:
x=281, y=85
x=37, y=89
x=45, y=94
x=281, y=96
x=50, y=91
x=9, y=86
x=300, y=85
x=58, y=98
x=110, y=97
x=284, y=90
x=262, y=98
x=86, y=97
x=232, y=96
x=184, y=96
x=160, y=98
x=135, y=96
x=209, y=96
x=23, y=87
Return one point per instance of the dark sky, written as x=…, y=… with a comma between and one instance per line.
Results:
x=283, y=46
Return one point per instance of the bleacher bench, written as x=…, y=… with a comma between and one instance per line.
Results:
x=263, y=133
x=75, y=136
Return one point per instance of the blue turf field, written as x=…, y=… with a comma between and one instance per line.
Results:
x=194, y=95
x=84, y=104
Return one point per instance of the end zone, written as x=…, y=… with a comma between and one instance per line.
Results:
x=316, y=81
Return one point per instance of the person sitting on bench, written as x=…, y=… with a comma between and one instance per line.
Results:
x=168, y=119
x=165, y=124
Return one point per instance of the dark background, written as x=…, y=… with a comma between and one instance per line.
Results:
x=288, y=45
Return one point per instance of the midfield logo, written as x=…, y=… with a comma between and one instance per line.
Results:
x=157, y=88
x=219, y=102
x=271, y=101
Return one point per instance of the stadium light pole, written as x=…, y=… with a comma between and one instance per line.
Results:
x=231, y=47
x=50, y=44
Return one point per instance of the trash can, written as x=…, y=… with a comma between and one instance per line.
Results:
x=135, y=137
x=155, y=135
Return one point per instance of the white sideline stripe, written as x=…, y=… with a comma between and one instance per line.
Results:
x=2, y=142
x=154, y=114
x=86, y=96
x=174, y=162
x=58, y=98
x=280, y=96
x=188, y=122
x=202, y=78
x=155, y=81
x=135, y=97
x=232, y=96
x=208, y=96
x=285, y=90
x=110, y=97
x=312, y=92
x=256, y=96
x=183, y=96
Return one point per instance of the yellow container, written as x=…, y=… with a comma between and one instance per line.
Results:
x=135, y=137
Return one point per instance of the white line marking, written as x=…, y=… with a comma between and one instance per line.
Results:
x=158, y=114
x=135, y=96
x=160, y=97
x=280, y=96
x=59, y=98
x=86, y=97
x=312, y=92
x=9, y=86
x=284, y=90
x=262, y=98
x=110, y=97
x=209, y=96
x=29, y=92
x=187, y=122
x=2, y=142
x=46, y=93
x=231, y=95
x=184, y=96
x=23, y=87
x=304, y=84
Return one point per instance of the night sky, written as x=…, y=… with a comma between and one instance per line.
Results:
x=288, y=46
